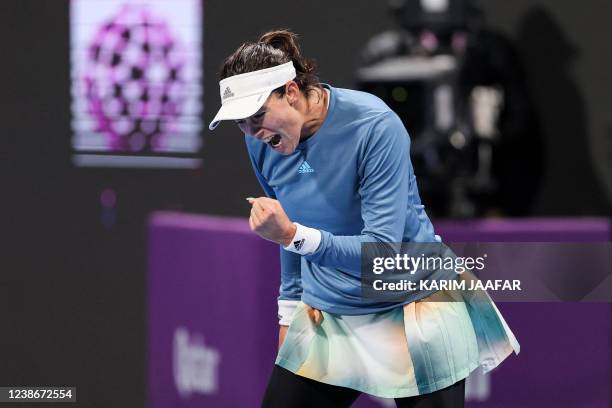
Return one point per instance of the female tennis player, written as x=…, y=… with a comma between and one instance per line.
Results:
x=334, y=164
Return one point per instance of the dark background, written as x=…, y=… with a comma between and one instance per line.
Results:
x=72, y=290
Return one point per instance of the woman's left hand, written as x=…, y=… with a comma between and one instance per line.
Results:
x=269, y=220
x=315, y=315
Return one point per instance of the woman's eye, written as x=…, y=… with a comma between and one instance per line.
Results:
x=259, y=115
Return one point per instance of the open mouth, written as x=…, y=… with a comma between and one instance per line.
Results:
x=275, y=140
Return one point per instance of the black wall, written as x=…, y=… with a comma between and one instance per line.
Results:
x=72, y=291
x=565, y=49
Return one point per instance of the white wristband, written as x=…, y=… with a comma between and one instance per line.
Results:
x=305, y=241
x=286, y=308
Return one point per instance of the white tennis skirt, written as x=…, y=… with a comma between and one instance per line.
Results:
x=414, y=349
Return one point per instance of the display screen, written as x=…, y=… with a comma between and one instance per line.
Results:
x=136, y=82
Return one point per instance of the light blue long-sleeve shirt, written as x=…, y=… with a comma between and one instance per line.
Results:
x=352, y=180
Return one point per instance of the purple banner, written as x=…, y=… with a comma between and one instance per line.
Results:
x=212, y=327
x=212, y=334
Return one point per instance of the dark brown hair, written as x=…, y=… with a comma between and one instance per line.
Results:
x=273, y=48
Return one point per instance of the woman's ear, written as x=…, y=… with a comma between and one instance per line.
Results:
x=292, y=92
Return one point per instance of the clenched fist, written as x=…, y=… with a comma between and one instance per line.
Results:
x=269, y=220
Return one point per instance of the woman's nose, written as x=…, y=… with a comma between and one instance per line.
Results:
x=257, y=132
x=248, y=129
x=254, y=130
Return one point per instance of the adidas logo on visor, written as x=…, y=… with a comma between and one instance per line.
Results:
x=227, y=93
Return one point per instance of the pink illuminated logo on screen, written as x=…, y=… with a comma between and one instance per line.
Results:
x=136, y=82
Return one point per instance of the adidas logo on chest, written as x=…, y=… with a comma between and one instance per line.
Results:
x=305, y=168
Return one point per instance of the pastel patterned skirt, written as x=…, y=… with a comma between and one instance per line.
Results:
x=413, y=349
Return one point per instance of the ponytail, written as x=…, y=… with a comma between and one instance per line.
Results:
x=273, y=48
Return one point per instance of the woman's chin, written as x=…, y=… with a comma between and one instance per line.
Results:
x=286, y=151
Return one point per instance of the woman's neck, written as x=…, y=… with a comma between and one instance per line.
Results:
x=316, y=113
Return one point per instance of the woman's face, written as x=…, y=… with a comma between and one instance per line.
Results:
x=277, y=123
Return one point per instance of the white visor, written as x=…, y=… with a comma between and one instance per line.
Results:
x=243, y=95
